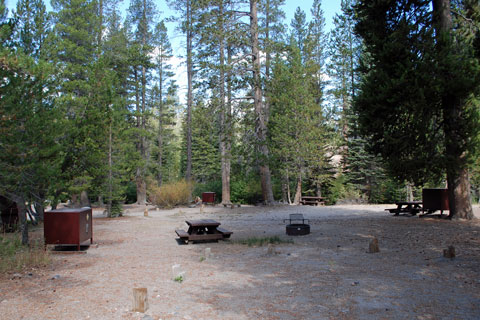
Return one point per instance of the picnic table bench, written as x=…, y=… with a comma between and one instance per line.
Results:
x=411, y=207
x=312, y=200
x=202, y=230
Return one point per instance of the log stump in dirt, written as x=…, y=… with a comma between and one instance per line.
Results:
x=449, y=253
x=373, y=246
x=140, y=300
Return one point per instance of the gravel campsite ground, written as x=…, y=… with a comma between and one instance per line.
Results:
x=327, y=274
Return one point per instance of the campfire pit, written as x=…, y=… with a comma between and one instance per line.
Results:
x=297, y=229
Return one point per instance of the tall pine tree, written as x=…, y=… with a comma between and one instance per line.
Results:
x=418, y=98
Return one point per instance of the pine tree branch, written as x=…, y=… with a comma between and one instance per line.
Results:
x=464, y=17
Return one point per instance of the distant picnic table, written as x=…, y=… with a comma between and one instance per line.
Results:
x=200, y=230
x=312, y=200
x=411, y=207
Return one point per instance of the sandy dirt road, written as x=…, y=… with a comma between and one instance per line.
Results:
x=327, y=274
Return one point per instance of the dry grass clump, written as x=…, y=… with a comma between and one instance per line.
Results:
x=258, y=242
x=14, y=257
x=171, y=194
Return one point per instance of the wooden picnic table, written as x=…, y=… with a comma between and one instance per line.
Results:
x=411, y=207
x=201, y=230
x=312, y=200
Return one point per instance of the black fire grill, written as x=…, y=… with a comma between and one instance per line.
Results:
x=295, y=228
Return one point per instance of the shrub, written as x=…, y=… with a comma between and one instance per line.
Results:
x=246, y=191
x=131, y=193
x=14, y=257
x=171, y=194
x=117, y=209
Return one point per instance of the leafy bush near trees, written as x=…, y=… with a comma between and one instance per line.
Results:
x=171, y=194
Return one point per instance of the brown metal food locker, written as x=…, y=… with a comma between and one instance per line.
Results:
x=68, y=226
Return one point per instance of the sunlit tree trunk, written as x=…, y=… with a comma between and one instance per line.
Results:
x=260, y=125
x=189, y=33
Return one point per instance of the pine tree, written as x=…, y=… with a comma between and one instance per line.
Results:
x=271, y=34
x=205, y=153
x=344, y=53
x=164, y=75
x=423, y=125
x=186, y=9
x=33, y=26
x=30, y=124
x=296, y=133
x=75, y=49
x=316, y=43
x=141, y=15
x=214, y=30
x=361, y=169
x=299, y=29
x=271, y=29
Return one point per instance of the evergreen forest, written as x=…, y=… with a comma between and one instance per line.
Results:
x=370, y=112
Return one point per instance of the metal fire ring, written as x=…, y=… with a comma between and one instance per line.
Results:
x=298, y=229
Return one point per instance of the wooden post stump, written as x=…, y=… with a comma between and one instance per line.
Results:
x=140, y=300
x=449, y=253
x=373, y=246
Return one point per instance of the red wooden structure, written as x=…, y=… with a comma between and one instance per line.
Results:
x=208, y=197
x=435, y=199
x=68, y=226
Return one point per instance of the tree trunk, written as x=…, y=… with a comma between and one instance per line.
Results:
x=318, y=188
x=141, y=123
x=260, y=124
x=268, y=58
x=457, y=174
x=224, y=126
x=141, y=184
x=288, y=189
x=160, y=124
x=188, y=172
x=141, y=188
x=298, y=192
x=284, y=190
x=40, y=210
x=138, y=174
x=84, y=201
x=409, y=188
x=110, y=172
x=22, y=216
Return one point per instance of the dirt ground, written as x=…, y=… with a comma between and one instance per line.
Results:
x=327, y=274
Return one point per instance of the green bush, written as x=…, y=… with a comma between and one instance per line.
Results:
x=131, y=193
x=117, y=209
x=335, y=189
x=247, y=192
